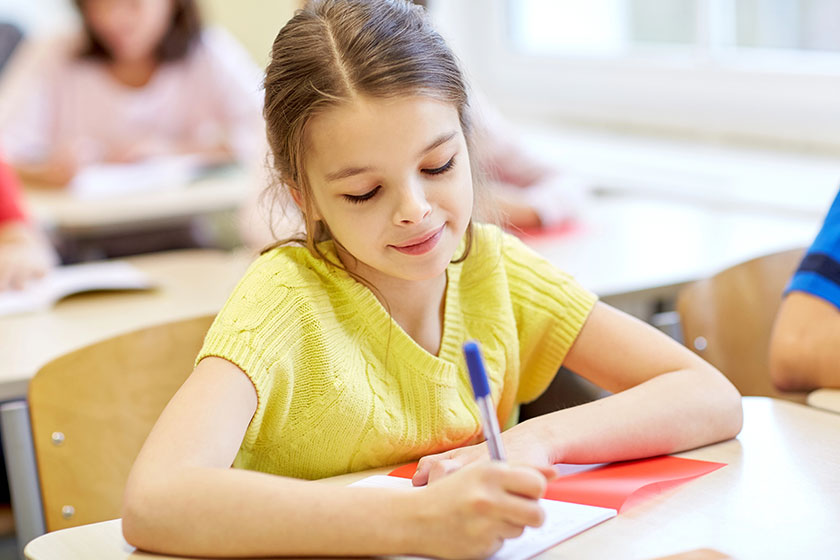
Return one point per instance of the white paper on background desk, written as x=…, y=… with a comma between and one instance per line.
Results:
x=114, y=179
x=562, y=520
x=73, y=279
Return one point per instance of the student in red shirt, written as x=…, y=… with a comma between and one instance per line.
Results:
x=25, y=253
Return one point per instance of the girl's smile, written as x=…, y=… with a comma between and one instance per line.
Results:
x=422, y=244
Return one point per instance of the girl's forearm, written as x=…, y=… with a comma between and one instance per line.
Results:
x=672, y=412
x=256, y=514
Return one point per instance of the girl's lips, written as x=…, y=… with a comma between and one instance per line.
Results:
x=422, y=245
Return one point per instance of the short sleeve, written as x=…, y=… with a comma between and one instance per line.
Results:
x=550, y=309
x=819, y=272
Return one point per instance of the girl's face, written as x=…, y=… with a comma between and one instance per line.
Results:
x=130, y=29
x=391, y=179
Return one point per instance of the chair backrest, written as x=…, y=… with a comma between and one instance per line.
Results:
x=92, y=409
x=727, y=319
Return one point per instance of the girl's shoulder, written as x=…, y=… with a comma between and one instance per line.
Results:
x=492, y=245
x=294, y=267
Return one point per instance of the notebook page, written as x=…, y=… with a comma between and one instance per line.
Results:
x=562, y=520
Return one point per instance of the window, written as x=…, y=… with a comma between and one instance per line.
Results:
x=766, y=70
x=615, y=26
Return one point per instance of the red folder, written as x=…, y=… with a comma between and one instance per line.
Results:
x=616, y=485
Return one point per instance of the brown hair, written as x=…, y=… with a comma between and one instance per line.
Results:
x=183, y=31
x=333, y=50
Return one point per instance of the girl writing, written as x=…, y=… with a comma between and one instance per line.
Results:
x=342, y=353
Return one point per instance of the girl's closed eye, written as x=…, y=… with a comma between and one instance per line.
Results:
x=358, y=199
x=442, y=169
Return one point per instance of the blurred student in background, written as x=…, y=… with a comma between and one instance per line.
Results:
x=25, y=253
x=528, y=191
x=805, y=344
x=144, y=80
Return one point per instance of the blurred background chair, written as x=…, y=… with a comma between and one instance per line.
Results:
x=92, y=409
x=727, y=319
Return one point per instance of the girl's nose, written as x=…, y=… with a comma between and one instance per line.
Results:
x=412, y=206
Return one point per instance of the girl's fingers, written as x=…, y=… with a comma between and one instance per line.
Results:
x=421, y=475
x=441, y=468
x=528, y=482
x=510, y=530
x=522, y=512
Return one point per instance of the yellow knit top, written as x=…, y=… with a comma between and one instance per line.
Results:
x=341, y=387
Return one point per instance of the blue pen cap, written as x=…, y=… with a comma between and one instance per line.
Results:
x=475, y=365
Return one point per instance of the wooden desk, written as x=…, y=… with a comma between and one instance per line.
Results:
x=189, y=283
x=55, y=209
x=777, y=498
x=826, y=399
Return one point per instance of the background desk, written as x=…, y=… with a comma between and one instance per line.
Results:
x=57, y=209
x=777, y=498
x=189, y=284
x=637, y=252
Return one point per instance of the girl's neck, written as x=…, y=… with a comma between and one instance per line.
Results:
x=417, y=307
x=422, y=316
x=133, y=73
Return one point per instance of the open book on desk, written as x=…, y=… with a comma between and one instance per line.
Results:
x=562, y=520
x=72, y=279
x=582, y=496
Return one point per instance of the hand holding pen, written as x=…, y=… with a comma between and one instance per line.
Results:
x=526, y=445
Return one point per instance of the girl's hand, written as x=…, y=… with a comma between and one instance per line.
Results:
x=522, y=447
x=472, y=512
x=24, y=256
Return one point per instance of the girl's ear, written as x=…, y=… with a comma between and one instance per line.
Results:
x=297, y=196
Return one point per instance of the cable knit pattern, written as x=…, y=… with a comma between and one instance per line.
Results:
x=342, y=388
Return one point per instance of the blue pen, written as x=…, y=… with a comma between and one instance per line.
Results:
x=481, y=388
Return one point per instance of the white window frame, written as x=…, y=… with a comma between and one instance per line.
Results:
x=752, y=96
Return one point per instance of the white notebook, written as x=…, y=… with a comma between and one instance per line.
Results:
x=562, y=520
x=72, y=279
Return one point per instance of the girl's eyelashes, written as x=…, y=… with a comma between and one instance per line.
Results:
x=358, y=199
x=442, y=169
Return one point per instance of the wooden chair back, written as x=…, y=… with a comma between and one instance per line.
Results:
x=92, y=409
x=727, y=319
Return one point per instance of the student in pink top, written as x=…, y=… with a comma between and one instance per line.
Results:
x=146, y=81
x=25, y=253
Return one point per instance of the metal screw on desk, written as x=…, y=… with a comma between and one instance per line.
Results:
x=57, y=438
x=67, y=512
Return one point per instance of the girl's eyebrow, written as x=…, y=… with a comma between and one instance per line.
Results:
x=442, y=139
x=350, y=171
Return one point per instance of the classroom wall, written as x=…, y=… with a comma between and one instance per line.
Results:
x=254, y=23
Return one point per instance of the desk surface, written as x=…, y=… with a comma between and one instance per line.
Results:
x=626, y=244
x=189, y=283
x=777, y=498
x=826, y=399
